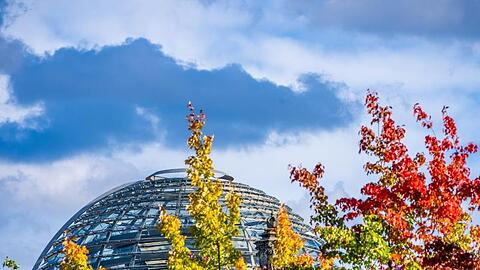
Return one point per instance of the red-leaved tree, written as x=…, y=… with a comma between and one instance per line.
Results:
x=421, y=203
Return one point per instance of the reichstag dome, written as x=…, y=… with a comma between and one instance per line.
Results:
x=118, y=228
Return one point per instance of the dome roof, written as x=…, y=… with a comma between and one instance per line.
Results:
x=119, y=229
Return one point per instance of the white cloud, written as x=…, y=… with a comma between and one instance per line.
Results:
x=185, y=27
x=13, y=113
x=41, y=197
x=45, y=195
x=212, y=35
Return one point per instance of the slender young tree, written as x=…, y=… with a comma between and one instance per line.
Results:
x=214, y=228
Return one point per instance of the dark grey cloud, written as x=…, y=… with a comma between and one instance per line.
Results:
x=92, y=101
x=458, y=19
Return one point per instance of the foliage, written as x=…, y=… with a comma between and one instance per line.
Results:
x=179, y=256
x=361, y=245
x=9, y=263
x=213, y=229
x=288, y=245
x=76, y=256
x=412, y=217
x=240, y=264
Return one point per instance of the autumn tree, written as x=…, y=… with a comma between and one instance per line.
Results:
x=413, y=216
x=361, y=246
x=288, y=245
x=214, y=228
x=76, y=256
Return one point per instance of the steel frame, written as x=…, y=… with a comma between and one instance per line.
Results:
x=119, y=230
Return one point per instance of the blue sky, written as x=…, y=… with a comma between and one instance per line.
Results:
x=93, y=94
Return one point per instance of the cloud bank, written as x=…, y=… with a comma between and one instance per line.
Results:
x=134, y=93
x=366, y=43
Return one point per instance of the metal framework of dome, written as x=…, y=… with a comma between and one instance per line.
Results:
x=119, y=229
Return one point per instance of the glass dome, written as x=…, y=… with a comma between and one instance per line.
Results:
x=118, y=228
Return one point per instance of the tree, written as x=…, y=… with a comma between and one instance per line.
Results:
x=413, y=216
x=9, y=263
x=361, y=245
x=288, y=245
x=213, y=229
x=76, y=256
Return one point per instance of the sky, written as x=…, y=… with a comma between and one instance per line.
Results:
x=93, y=94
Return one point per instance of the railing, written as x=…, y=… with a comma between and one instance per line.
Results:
x=181, y=173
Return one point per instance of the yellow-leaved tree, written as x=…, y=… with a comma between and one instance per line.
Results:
x=214, y=228
x=76, y=256
x=288, y=245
